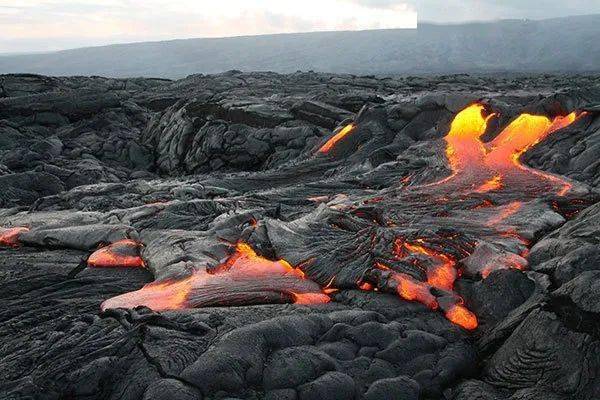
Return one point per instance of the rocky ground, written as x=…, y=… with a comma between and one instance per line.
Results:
x=190, y=169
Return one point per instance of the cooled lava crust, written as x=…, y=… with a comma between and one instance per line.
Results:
x=303, y=236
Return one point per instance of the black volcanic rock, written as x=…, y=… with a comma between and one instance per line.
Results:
x=187, y=169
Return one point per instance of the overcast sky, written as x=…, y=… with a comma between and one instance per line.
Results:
x=42, y=25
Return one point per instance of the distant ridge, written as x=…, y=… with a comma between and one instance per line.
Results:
x=569, y=44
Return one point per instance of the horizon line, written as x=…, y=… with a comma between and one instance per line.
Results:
x=422, y=22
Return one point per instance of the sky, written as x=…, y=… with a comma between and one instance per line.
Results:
x=47, y=25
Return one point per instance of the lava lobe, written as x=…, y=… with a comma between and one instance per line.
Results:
x=123, y=253
x=244, y=278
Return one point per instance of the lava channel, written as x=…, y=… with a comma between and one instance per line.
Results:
x=244, y=278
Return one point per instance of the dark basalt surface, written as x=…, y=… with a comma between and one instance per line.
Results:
x=187, y=166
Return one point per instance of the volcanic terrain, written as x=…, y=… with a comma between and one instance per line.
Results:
x=302, y=236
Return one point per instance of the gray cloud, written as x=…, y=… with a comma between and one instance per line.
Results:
x=469, y=10
x=75, y=23
x=379, y=3
x=480, y=10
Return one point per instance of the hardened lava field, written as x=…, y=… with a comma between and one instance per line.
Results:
x=302, y=236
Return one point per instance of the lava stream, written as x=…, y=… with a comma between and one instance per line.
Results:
x=478, y=169
x=494, y=165
x=464, y=147
x=244, y=278
x=411, y=289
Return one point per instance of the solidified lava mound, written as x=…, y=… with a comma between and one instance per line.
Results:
x=303, y=236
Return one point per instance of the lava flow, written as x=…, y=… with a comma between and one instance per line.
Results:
x=441, y=273
x=475, y=221
x=336, y=138
x=9, y=237
x=123, y=253
x=244, y=278
x=491, y=176
x=494, y=165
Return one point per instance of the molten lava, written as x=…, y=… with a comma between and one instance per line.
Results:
x=478, y=169
x=494, y=183
x=463, y=146
x=461, y=316
x=336, y=138
x=490, y=166
x=411, y=289
x=441, y=273
x=244, y=278
x=467, y=223
x=123, y=253
x=9, y=237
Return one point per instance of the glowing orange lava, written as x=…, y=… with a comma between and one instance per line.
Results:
x=478, y=168
x=491, y=165
x=518, y=137
x=441, y=274
x=9, y=237
x=244, y=278
x=336, y=138
x=461, y=316
x=310, y=298
x=123, y=253
x=506, y=211
x=494, y=183
x=246, y=259
x=413, y=290
x=463, y=146
x=410, y=289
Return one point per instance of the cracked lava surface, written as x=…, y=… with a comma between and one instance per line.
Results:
x=490, y=171
x=305, y=236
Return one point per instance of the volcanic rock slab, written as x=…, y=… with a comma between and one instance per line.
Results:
x=302, y=236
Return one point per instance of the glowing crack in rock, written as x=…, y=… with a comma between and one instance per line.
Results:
x=330, y=144
x=441, y=273
x=244, y=278
x=9, y=237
